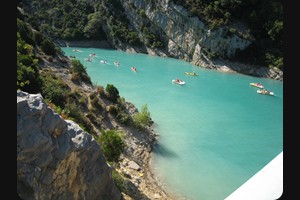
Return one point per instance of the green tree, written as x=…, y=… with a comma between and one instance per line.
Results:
x=77, y=67
x=28, y=77
x=275, y=29
x=142, y=118
x=79, y=72
x=113, y=92
x=93, y=28
x=112, y=144
x=25, y=32
x=48, y=47
x=54, y=89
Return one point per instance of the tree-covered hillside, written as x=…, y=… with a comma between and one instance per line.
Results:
x=263, y=17
x=107, y=20
x=66, y=87
x=81, y=20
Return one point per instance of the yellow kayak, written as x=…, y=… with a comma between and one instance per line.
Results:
x=259, y=85
x=191, y=73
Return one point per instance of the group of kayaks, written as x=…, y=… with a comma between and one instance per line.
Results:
x=262, y=89
x=93, y=55
x=134, y=69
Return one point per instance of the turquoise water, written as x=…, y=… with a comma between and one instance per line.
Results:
x=215, y=132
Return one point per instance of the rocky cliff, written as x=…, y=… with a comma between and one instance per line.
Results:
x=56, y=159
x=188, y=36
x=191, y=40
x=156, y=27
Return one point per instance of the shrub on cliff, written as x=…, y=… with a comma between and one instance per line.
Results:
x=53, y=88
x=28, y=77
x=73, y=113
x=120, y=181
x=142, y=118
x=48, y=47
x=112, y=92
x=112, y=144
x=79, y=72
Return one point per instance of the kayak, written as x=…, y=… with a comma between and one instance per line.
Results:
x=259, y=85
x=191, y=73
x=264, y=91
x=103, y=61
x=180, y=82
x=116, y=63
x=88, y=59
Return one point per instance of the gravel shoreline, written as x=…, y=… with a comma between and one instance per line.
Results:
x=135, y=164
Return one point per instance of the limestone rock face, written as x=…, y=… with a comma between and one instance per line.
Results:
x=56, y=159
x=190, y=39
x=184, y=33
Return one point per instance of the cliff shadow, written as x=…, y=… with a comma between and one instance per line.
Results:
x=163, y=151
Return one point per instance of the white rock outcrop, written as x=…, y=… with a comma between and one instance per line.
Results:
x=56, y=159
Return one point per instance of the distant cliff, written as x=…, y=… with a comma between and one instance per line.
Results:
x=190, y=39
x=56, y=159
x=154, y=27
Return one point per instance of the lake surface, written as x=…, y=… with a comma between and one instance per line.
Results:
x=215, y=132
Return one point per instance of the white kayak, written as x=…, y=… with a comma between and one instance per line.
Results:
x=180, y=82
x=88, y=59
x=265, y=92
x=103, y=61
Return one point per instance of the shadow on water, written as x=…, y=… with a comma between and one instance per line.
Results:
x=163, y=151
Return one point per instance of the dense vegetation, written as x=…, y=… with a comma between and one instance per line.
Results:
x=85, y=20
x=27, y=69
x=263, y=17
x=80, y=20
x=90, y=109
x=107, y=20
x=79, y=72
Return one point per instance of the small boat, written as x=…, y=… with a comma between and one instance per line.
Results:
x=265, y=91
x=88, y=59
x=93, y=55
x=133, y=69
x=259, y=85
x=103, y=61
x=191, y=73
x=178, y=81
x=76, y=50
x=116, y=63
